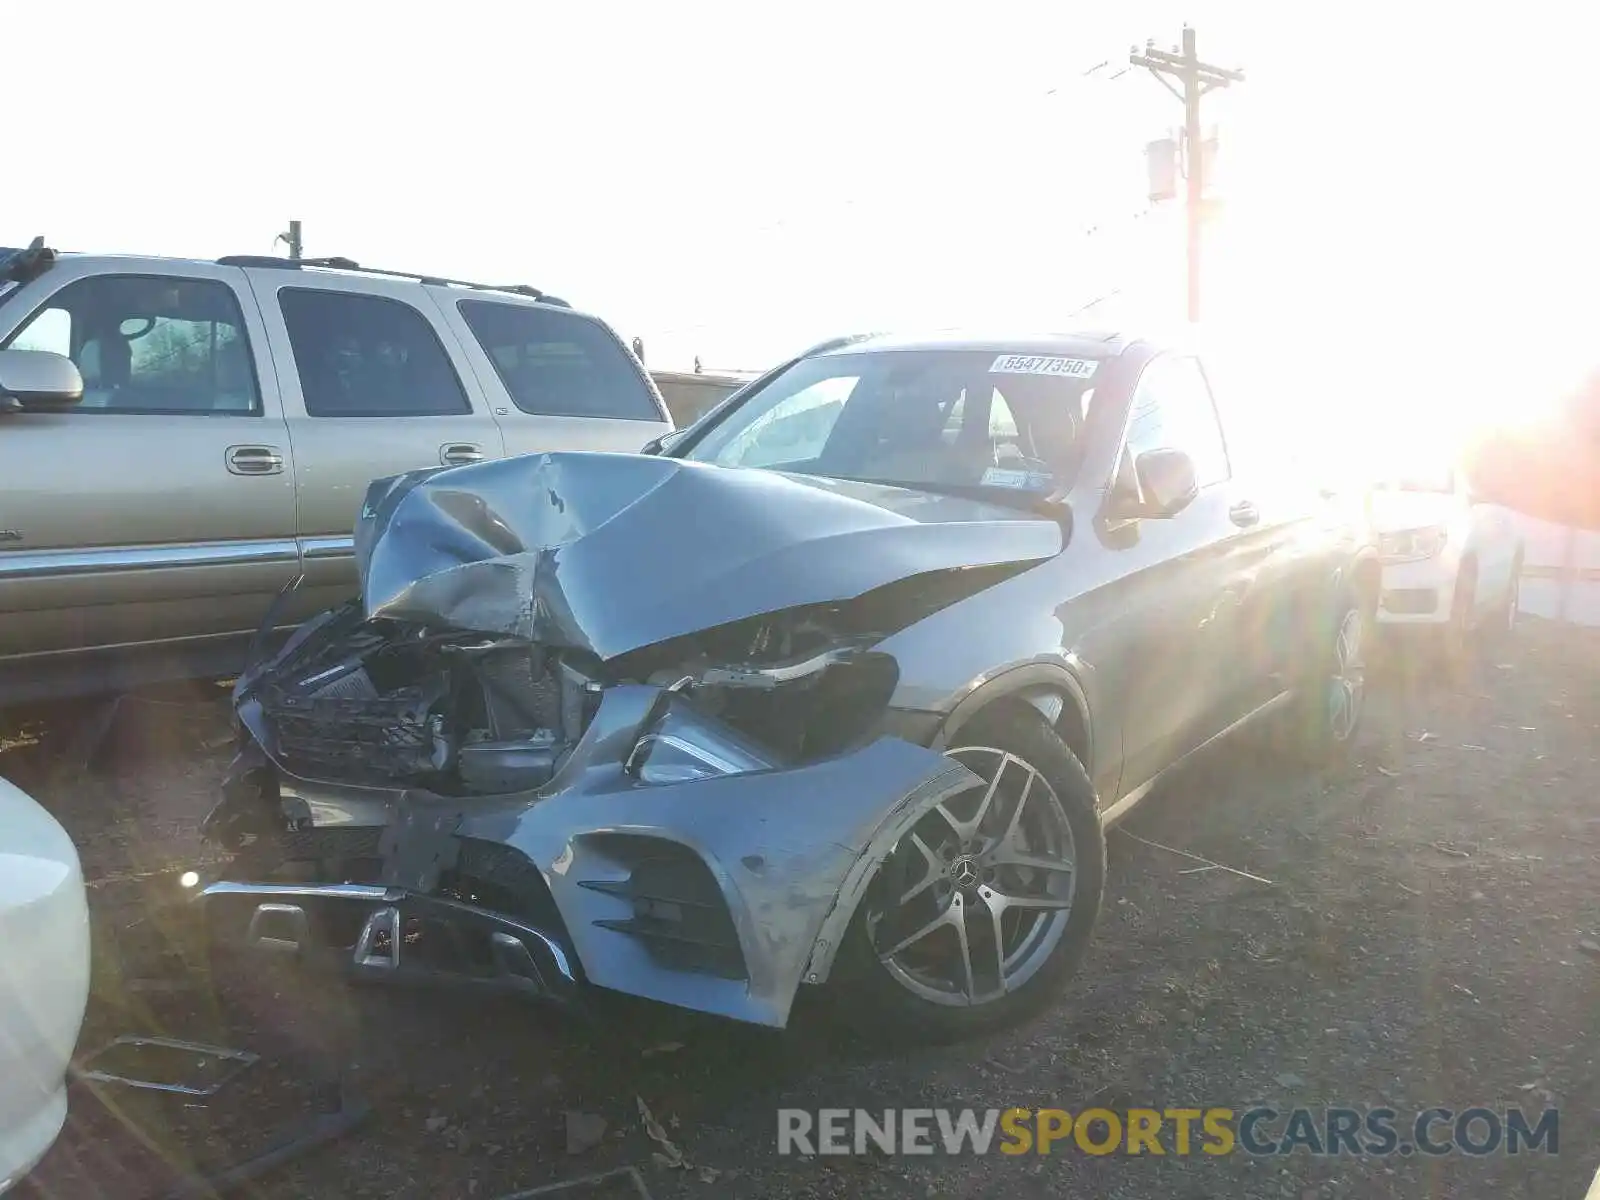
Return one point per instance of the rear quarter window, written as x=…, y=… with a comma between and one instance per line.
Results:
x=559, y=364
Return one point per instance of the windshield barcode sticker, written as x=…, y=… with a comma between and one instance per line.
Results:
x=1031, y=481
x=1035, y=364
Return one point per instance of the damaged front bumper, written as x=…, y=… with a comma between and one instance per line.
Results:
x=389, y=935
x=720, y=892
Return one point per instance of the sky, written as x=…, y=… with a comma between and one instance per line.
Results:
x=1407, y=192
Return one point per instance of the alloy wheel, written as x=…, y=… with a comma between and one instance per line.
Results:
x=977, y=896
x=1347, y=686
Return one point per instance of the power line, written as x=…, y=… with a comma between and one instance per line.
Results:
x=1197, y=78
x=1095, y=303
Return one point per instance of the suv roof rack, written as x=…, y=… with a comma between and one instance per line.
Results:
x=21, y=266
x=349, y=264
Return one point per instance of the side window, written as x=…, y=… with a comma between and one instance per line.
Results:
x=50, y=329
x=1172, y=409
x=150, y=344
x=368, y=356
x=794, y=430
x=559, y=364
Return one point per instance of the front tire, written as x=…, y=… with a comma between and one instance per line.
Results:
x=983, y=912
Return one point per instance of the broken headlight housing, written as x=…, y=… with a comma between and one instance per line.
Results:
x=677, y=745
x=1412, y=545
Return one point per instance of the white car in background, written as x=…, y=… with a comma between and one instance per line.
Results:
x=44, y=978
x=1450, y=561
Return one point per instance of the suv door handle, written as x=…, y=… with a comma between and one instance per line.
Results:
x=255, y=460
x=458, y=454
x=1244, y=514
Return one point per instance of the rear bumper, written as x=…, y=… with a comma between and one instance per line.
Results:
x=718, y=894
x=24, y=1144
x=44, y=977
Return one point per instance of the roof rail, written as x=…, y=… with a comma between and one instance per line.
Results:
x=349, y=264
x=22, y=266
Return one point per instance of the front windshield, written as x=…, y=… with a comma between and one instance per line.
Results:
x=936, y=419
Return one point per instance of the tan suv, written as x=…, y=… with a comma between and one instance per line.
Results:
x=231, y=416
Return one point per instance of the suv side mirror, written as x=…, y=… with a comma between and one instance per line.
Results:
x=38, y=381
x=1167, y=484
x=660, y=445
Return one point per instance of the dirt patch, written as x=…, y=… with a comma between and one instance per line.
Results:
x=1420, y=942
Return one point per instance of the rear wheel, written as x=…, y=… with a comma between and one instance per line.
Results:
x=1326, y=716
x=981, y=913
x=1461, y=634
x=1505, y=621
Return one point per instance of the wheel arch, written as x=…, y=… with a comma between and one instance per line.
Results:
x=1049, y=688
x=953, y=779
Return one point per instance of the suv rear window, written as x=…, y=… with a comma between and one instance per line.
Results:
x=559, y=364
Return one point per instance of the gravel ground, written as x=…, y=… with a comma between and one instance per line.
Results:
x=1428, y=936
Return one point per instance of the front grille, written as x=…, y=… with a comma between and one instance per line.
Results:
x=520, y=693
x=388, y=738
x=339, y=843
x=1410, y=600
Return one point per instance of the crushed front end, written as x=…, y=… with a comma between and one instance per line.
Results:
x=498, y=772
x=496, y=815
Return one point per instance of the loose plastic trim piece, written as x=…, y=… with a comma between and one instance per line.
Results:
x=241, y=1059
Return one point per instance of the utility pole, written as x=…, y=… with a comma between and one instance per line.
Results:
x=293, y=238
x=1196, y=79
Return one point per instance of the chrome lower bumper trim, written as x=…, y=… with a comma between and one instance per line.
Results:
x=291, y=919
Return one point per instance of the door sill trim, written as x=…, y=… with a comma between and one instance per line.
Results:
x=1114, y=813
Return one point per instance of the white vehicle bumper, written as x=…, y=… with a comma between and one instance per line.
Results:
x=44, y=978
x=1417, y=593
x=24, y=1144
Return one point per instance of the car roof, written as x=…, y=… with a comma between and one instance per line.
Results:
x=1080, y=344
x=311, y=268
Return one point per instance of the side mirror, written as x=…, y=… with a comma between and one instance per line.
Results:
x=1167, y=481
x=1167, y=484
x=38, y=381
x=660, y=445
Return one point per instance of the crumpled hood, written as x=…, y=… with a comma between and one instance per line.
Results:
x=612, y=552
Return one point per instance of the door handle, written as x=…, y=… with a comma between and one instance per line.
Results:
x=459, y=454
x=255, y=460
x=1244, y=514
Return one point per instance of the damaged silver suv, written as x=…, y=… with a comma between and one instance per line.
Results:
x=843, y=685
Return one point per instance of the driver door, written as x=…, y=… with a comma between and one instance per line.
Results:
x=161, y=509
x=1177, y=591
